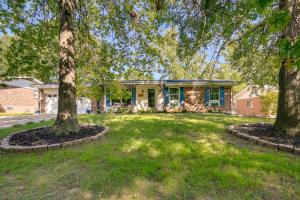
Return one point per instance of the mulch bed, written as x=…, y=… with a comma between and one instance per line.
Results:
x=267, y=132
x=43, y=136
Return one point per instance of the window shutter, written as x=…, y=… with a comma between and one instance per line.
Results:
x=133, y=96
x=166, y=96
x=206, y=98
x=107, y=102
x=222, y=99
x=181, y=96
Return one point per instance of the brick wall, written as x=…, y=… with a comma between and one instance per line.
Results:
x=43, y=101
x=242, y=109
x=18, y=100
x=100, y=103
x=194, y=100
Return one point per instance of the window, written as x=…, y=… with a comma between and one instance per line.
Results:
x=35, y=94
x=115, y=102
x=174, y=94
x=249, y=104
x=214, y=96
x=9, y=108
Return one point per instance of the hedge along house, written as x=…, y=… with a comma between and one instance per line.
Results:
x=173, y=96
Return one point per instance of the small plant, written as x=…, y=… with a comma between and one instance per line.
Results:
x=16, y=125
x=269, y=103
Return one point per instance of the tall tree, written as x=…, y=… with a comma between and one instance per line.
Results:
x=112, y=27
x=288, y=112
x=66, y=120
x=264, y=35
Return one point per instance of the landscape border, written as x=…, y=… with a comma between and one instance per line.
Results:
x=5, y=146
x=280, y=147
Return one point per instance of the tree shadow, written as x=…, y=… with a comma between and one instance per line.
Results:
x=161, y=156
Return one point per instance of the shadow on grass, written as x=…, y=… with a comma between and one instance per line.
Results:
x=155, y=156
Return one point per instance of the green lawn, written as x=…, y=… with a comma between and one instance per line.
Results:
x=153, y=156
x=14, y=114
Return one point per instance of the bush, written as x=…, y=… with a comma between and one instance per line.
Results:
x=269, y=103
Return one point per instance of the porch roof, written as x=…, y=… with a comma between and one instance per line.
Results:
x=199, y=82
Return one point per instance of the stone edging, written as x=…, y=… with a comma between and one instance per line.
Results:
x=280, y=147
x=5, y=146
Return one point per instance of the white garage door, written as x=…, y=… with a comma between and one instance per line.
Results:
x=83, y=104
x=51, y=104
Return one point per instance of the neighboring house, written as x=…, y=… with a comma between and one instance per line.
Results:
x=157, y=95
x=18, y=95
x=48, y=100
x=247, y=102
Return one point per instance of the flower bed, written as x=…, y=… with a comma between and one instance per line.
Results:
x=42, y=139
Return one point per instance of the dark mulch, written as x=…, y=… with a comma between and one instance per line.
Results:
x=44, y=135
x=267, y=132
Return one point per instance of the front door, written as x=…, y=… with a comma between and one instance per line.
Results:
x=151, y=98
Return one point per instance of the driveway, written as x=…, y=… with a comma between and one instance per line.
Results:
x=6, y=122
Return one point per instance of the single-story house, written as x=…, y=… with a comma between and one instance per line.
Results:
x=157, y=95
x=18, y=96
x=247, y=102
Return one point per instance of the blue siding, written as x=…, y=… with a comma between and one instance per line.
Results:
x=206, y=98
x=133, y=96
x=166, y=96
x=181, y=96
x=222, y=99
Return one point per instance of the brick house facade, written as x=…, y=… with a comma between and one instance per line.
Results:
x=155, y=95
x=248, y=102
x=249, y=106
x=17, y=96
x=174, y=96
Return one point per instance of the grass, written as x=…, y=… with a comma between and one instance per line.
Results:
x=153, y=156
x=14, y=114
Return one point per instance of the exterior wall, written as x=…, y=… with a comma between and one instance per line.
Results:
x=21, y=100
x=142, y=97
x=194, y=100
x=242, y=109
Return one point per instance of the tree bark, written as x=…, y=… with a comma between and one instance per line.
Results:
x=288, y=112
x=66, y=120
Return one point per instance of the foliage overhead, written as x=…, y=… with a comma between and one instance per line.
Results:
x=131, y=39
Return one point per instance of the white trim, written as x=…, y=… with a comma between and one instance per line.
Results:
x=235, y=97
x=214, y=101
x=251, y=104
x=178, y=94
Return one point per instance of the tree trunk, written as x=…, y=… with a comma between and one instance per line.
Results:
x=288, y=113
x=66, y=120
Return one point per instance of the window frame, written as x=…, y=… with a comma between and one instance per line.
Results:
x=177, y=100
x=251, y=103
x=215, y=101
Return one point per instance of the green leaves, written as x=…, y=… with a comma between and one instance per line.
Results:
x=279, y=20
x=290, y=51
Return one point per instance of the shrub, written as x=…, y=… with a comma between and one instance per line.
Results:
x=269, y=103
